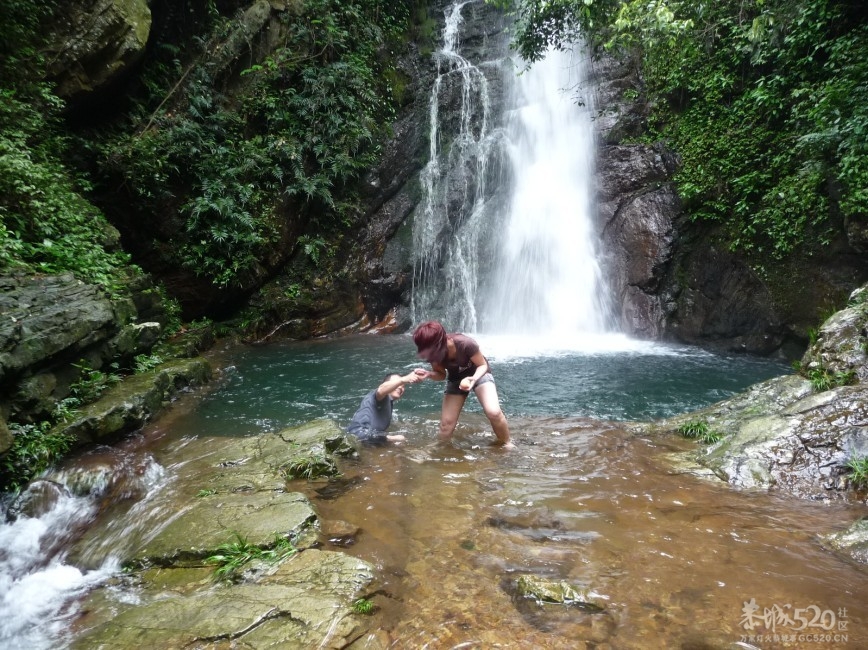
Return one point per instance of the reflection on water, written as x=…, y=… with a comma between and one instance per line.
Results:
x=673, y=558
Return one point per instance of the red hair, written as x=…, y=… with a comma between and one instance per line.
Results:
x=430, y=340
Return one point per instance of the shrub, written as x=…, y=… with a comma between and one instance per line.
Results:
x=309, y=467
x=34, y=449
x=822, y=379
x=363, y=606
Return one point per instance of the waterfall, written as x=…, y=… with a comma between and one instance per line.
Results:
x=453, y=218
x=504, y=237
x=547, y=278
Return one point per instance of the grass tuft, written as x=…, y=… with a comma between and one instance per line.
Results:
x=858, y=467
x=231, y=557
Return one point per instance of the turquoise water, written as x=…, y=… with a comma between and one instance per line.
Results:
x=270, y=387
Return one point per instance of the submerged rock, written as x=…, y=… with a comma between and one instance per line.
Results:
x=543, y=590
x=853, y=541
x=37, y=499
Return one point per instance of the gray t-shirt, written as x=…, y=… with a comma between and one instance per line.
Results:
x=372, y=417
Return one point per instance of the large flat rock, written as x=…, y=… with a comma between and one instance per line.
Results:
x=305, y=603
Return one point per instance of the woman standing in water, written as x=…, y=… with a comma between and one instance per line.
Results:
x=457, y=359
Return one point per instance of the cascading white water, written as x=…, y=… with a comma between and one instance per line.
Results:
x=547, y=279
x=453, y=217
x=504, y=238
x=38, y=586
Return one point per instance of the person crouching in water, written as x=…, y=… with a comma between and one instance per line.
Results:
x=374, y=414
x=457, y=359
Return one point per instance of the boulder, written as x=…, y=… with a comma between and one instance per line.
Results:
x=841, y=344
x=95, y=42
x=853, y=541
x=130, y=404
x=544, y=590
x=788, y=434
x=46, y=316
x=306, y=603
x=53, y=323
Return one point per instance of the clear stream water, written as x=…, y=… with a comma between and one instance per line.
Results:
x=677, y=562
x=606, y=377
x=450, y=527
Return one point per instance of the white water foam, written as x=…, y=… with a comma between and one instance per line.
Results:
x=517, y=347
x=36, y=589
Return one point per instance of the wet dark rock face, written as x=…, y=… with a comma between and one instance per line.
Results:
x=669, y=277
x=53, y=325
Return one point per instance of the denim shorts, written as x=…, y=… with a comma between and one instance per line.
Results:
x=453, y=387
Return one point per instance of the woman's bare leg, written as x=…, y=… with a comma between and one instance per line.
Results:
x=449, y=412
x=487, y=395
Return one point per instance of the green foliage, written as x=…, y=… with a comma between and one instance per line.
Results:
x=858, y=473
x=34, y=448
x=146, y=362
x=822, y=379
x=309, y=467
x=699, y=430
x=205, y=493
x=766, y=104
x=231, y=557
x=693, y=429
x=711, y=437
x=19, y=47
x=313, y=247
x=92, y=383
x=46, y=224
x=301, y=128
x=363, y=606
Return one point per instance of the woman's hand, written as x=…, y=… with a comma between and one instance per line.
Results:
x=466, y=384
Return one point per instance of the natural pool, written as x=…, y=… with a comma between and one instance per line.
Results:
x=674, y=559
x=603, y=377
